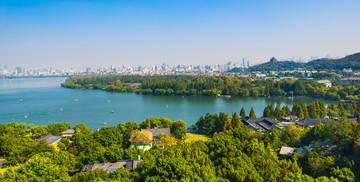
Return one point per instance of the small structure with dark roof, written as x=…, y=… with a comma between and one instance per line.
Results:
x=309, y=123
x=290, y=118
x=262, y=124
x=112, y=166
x=68, y=133
x=156, y=131
x=50, y=139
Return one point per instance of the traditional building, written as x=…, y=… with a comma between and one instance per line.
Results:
x=262, y=124
x=112, y=166
x=68, y=133
x=309, y=123
x=156, y=131
x=50, y=139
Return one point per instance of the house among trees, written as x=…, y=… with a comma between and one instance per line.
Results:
x=327, y=83
x=309, y=123
x=68, y=133
x=349, y=80
x=112, y=166
x=50, y=139
x=262, y=124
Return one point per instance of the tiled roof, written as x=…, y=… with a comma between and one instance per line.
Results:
x=49, y=138
x=311, y=122
x=290, y=118
x=111, y=166
x=262, y=124
x=156, y=131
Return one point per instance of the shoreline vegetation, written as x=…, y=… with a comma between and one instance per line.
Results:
x=183, y=85
x=221, y=145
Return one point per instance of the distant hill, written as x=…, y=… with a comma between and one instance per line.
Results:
x=350, y=61
x=279, y=66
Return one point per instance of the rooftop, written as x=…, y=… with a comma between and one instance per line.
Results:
x=156, y=131
x=262, y=124
x=68, y=131
x=311, y=122
x=50, y=139
x=111, y=166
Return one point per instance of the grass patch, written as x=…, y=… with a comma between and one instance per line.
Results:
x=192, y=137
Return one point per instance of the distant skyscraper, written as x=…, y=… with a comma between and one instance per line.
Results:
x=248, y=62
x=243, y=63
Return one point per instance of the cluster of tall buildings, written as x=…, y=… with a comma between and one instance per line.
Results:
x=162, y=69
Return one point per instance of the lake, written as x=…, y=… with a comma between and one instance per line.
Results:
x=42, y=99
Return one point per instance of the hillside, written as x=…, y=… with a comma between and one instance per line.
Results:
x=350, y=61
x=280, y=66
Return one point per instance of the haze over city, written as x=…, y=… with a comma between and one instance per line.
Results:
x=94, y=33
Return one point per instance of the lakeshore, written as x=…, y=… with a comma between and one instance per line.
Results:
x=43, y=99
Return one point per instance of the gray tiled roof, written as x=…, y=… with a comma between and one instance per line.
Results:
x=311, y=122
x=111, y=166
x=49, y=138
x=262, y=124
x=290, y=118
x=156, y=131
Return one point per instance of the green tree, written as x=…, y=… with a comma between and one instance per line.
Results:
x=108, y=136
x=37, y=169
x=235, y=121
x=126, y=129
x=252, y=113
x=243, y=112
x=225, y=123
x=178, y=129
x=267, y=112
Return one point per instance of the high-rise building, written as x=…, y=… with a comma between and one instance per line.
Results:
x=248, y=64
x=243, y=63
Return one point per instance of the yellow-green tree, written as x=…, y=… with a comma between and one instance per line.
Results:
x=252, y=113
x=143, y=137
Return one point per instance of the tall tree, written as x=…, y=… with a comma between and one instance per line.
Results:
x=252, y=113
x=178, y=129
x=278, y=112
x=286, y=110
x=267, y=112
x=225, y=123
x=243, y=112
x=235, y=121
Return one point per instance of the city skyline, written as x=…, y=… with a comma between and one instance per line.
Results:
x=96, y=34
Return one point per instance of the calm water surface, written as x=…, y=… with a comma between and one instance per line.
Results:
x=43, y=98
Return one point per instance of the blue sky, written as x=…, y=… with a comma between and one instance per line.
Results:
x=71, y=33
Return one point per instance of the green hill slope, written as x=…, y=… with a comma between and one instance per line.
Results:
x=350, y=61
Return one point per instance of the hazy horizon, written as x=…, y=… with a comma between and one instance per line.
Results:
x=101, y=33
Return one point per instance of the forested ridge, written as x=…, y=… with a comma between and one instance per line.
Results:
x=350, y=61
x=234, y=152
x=212, y=85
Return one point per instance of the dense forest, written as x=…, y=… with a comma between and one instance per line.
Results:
x=212, y=85
x=350, y=61
x=234, y=152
